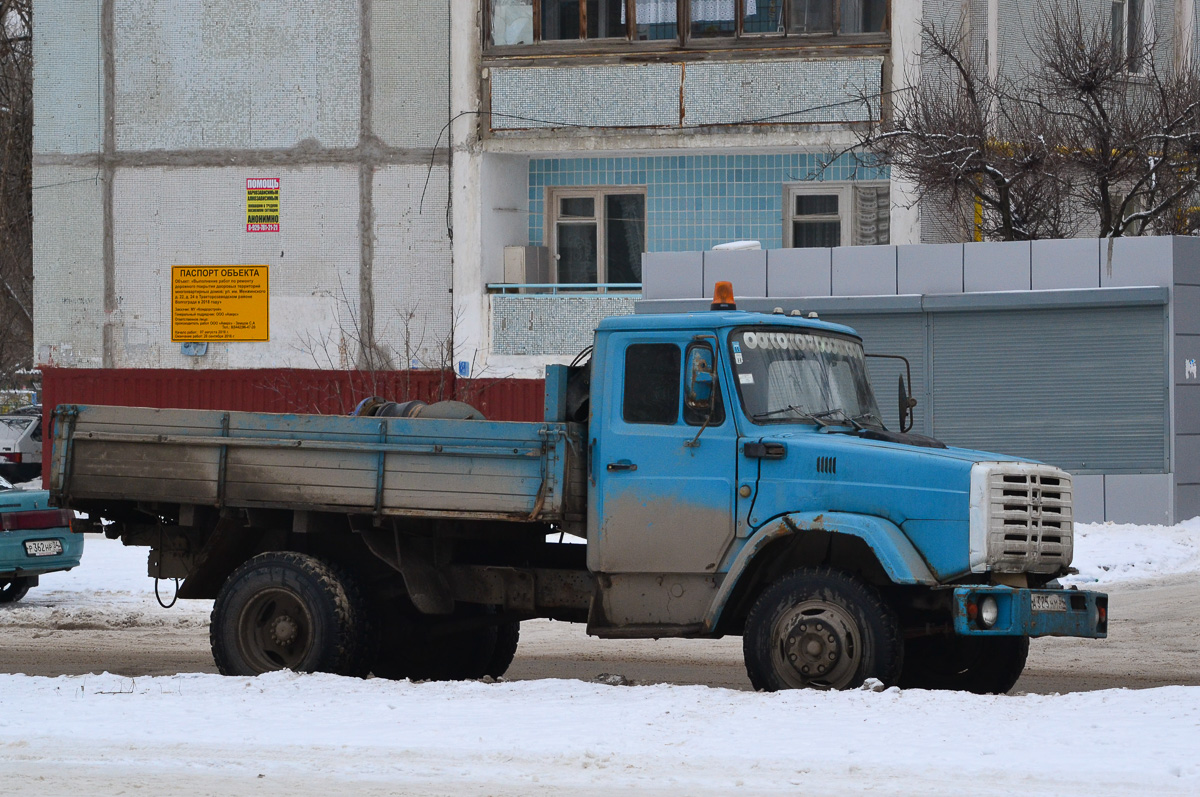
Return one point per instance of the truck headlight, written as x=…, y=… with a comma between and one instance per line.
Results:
x=989, y=611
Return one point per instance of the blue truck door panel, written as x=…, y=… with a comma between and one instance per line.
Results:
x=663, y=505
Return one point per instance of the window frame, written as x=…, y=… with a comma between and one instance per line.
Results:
x=844, y=189
x=597, y=193
x=683, y=36
x=1144, y=23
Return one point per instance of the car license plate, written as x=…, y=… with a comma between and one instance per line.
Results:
x=43, y=547
x=1041, y=602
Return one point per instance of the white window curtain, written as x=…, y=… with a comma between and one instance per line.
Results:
x=657, y=12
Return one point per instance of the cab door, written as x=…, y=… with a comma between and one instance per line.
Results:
x=665, y=480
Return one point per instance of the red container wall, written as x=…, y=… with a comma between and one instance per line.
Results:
x=280, y=390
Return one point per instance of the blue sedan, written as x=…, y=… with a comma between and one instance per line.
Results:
x=35, y=538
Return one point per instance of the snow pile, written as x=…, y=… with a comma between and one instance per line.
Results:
x=1108, y=553
x=305, y=734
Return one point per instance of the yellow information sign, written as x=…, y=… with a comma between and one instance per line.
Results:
x=210, y=303
x=262, y=204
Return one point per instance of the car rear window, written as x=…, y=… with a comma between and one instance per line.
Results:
x=12, y=428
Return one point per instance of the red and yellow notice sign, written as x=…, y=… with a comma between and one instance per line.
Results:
x=262, y=204
x=210, y=303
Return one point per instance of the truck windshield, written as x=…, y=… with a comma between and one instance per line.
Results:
x=786, y=376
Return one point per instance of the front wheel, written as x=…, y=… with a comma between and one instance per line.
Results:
x=980, y=664
x=820, y=629
x=13, y=589
x=289, y=611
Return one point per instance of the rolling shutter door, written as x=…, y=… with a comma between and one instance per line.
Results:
x=1081, y=389
x=892, y=333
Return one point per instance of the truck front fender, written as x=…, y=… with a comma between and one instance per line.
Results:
x=896, y=554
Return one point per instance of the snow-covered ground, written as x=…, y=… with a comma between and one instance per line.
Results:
x=319, y=734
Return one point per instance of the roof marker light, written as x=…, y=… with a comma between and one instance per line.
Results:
x=723, y=297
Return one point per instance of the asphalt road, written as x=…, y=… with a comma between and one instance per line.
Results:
x=1154, y=640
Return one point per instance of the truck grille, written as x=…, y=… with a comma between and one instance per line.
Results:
x=1029, y=520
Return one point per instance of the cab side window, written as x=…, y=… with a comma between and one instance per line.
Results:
x=652, y=372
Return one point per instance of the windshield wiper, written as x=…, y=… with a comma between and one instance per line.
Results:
x=819, y=417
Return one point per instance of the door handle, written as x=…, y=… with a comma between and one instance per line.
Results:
x=623, y=464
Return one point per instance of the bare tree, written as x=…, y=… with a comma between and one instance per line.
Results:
x=16, y=181
x=1091, y=139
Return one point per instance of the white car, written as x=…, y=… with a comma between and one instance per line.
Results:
x=21, y=444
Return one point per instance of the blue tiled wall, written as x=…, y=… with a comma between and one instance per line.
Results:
x=696, y=201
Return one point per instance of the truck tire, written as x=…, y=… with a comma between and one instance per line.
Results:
x=13, y=589
x=422, y=652
x=983, y=665
x=508, y=634
x=821, y=629
x=289, y=611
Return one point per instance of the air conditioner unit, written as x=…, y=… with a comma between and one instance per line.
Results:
x=527, y=264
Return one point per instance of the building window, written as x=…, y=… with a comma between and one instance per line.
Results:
x=516, y=22
x=836, y=214
x=597, y=234
x=1128, y=34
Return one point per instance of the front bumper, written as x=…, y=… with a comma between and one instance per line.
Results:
x=1059, y=612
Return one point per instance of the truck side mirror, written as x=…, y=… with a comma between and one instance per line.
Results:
x=698, y=390
x=906, y=404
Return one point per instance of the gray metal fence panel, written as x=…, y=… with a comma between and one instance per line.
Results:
x=1081, y=389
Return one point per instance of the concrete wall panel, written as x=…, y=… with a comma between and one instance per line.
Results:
x=412, y=278
x=1187, y=252
x=768, y=88
x=864, y=271
x=799, y=272
x=1187, y=409
x=550, y=326
x=1137, y=261
x=1089, y=498
x=747, y=270
x=166, y=217
x=68, y=115
x=1138, y=498
x=1187, y=502
x=996, y=266
x=1067, y=263
x=227, y=73
x=68, y=242
x=646, y=95
x=1187, y=309
x=928, y=268
x=672, y=275
x=1187, y=459
x=410, y=93
x=505, y=215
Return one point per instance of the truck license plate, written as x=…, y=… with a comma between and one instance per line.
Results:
x=43, y=547
x=1041, y=602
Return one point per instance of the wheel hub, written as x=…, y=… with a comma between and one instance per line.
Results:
x=818, y=646
x=283, y=630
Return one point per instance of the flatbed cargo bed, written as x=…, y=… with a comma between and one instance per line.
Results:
x=475, y=469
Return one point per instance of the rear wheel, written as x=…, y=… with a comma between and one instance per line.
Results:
x=289, y=611
x=13, y=589
x=820, y=629
x=464, y=647
x=980, y=664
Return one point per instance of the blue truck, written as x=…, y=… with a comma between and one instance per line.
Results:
x=35, y=539
x=730, y=473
